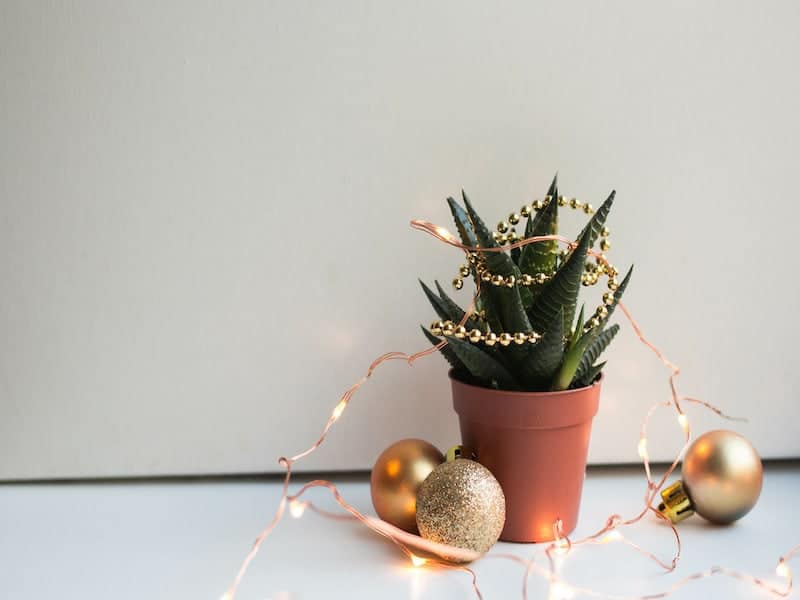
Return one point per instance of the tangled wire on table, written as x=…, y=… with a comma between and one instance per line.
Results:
x=449, y=557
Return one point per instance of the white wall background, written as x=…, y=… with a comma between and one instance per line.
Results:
x=204, y=215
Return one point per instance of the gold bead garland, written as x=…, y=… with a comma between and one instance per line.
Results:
x=476, y=336
x=505, y=233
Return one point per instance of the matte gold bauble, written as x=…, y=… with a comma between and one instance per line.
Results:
x=461, y=504
x=396, y=477
x=722, y=476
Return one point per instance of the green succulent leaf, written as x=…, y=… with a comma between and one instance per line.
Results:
x=463, y=224
x=590, y=376
x=447, y=309
x=511, y=311
x=576, y=332
x=561, y=293
x=481, y=365
x=456, y=312
x=572, y=359
x=542, y=360
x=599, y=342
x=446, y=351
x=540, y=257
x=598, y=219
x=441, y=308
x=617, y=296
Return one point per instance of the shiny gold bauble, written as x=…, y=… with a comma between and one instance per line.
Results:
x=722, y=473
x=722, y=477
x=396, y=477
x=461, y=504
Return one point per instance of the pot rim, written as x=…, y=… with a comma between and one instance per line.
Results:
x=598, y=381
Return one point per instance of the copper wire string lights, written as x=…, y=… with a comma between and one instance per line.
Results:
x=609, y=532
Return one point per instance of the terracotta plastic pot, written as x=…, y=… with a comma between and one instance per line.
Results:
x=535, y=444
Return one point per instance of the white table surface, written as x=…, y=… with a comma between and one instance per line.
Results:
x=185, y=539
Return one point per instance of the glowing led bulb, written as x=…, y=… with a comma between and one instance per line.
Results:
x=560, y=591
x=337, y=412
x=684, y=421
x=611, y=536
x=643, y=448
x=442, y=232
x=783, y=570
x=417, y=561
x=296, y=508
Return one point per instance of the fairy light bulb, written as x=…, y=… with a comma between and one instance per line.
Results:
x=783, y=570
x=611, y=536
x=297, y=508
x=444, y=234
x=337, y=412
x=642, y=448
x=561, y=591
x=417, y=561
x=684, y=422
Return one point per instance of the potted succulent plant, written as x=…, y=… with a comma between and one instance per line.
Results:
x=525, y=377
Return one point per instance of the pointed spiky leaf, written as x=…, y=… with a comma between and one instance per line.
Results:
x=463, y=224
x=511, y=311
x=441, y=308
x=593, y=351
x=561, y=293
x=598, y=219
x=446, y=351
x=456, y=311
x=481, y=365
x=617, y=296
x=590, y=376
x=571, y=362
x=541, y=361
x=540, y=257
x=576, y=332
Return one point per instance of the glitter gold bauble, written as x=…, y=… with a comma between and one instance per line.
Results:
x=722, y=476
x=396, y=477
x=461, y=504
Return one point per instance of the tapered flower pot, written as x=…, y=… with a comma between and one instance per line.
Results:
x=535, y=444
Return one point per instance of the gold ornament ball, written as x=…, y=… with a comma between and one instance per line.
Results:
x=396, y=477
x=461, y=504
x=722, y=474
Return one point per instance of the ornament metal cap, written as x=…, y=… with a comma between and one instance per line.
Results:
x=676, y=504
x=460, y=452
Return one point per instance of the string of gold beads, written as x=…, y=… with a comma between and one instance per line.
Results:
x=506, y=234
x=601, y=267
x=591, y=276
x=476, y=336
x=508, y=281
